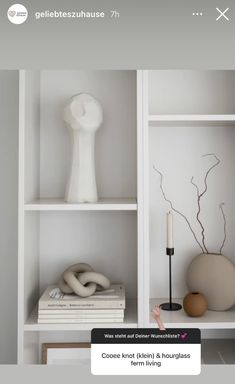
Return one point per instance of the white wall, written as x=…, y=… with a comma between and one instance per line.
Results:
x=202, y=92
x=8, y=215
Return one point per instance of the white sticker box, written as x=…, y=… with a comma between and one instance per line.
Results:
x=146, y=351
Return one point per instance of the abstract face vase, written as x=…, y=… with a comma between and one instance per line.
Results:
x=83, y=115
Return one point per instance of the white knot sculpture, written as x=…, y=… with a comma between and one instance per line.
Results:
x=82, y=280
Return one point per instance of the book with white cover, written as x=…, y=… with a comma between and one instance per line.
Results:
x=78, y=321
x=94, y=316
x=114, y=297
x=87, y=312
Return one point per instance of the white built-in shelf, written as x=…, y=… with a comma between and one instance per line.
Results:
x=107, y=204
x=210, y=320
x=130, y=321
x=192, y=119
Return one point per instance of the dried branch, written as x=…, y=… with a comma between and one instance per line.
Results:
x=209, y=170
x=200, y=195
x=198, y=213
x=175, y=210
x=225, y=223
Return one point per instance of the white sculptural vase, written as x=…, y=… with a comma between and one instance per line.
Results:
x=81, y=186
x=83, y=116
x=213, y=275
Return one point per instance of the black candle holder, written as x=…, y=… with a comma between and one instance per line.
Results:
x=170, y=306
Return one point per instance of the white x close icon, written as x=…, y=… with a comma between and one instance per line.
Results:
x=222, y=14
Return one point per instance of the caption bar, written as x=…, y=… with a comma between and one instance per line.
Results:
x=146, y=351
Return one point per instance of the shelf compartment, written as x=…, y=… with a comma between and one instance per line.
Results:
x=106, y=204
x=210, y=320
x=190, y=91
x=130, y=321
x=47, y=145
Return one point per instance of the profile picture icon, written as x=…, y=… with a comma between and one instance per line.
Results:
x=17, y=14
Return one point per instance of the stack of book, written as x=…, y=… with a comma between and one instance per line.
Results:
x=103, y=307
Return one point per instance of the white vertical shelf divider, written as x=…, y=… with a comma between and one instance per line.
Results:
x=140, y=197
x=28, y=268
x=20, y=347
x=143, y=200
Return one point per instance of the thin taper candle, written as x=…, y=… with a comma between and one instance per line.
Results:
x=170, y=306
x=170, y=243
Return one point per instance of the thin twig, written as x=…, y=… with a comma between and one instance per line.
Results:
x=209, y=170
x=200, y=195
x=198, y=213
x=175, y=210
x=225, y=223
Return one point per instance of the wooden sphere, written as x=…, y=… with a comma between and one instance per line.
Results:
x=195, y=304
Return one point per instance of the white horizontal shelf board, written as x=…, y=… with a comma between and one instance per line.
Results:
x=106, y=204
x=130, y=321
x=223, y=118
x=210, y=320
x=191, y=120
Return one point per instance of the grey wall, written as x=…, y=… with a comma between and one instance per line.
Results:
x=8, y=215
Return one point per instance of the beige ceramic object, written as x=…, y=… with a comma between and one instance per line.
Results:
x=214, y=276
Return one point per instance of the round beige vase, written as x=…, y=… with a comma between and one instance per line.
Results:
x=213, y=275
